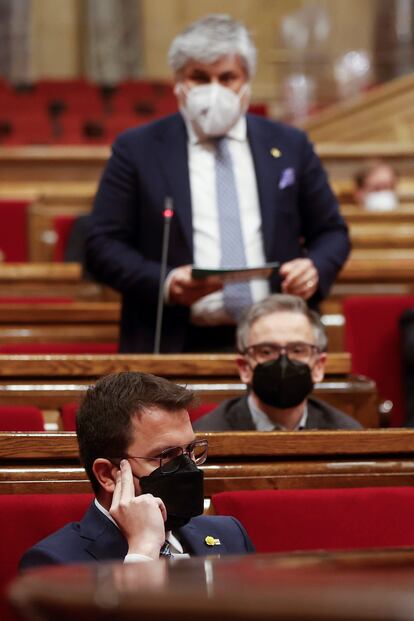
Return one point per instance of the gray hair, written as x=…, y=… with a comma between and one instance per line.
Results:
x=211, y=37
x=279, y=303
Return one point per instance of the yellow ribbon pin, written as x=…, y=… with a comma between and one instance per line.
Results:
x=275, y=152
x=212, y=541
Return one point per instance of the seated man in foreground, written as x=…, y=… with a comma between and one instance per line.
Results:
x=282, y=346
x=141, y=455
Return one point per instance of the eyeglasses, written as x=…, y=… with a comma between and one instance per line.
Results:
x=271, y=351
x=167, y=459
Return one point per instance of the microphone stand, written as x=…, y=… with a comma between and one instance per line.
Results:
x=167, y=215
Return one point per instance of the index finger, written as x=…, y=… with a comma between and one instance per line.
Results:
x=127, y=482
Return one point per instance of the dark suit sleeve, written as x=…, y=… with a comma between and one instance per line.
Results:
x=116, y=229
x=322, y=227
x=38, y=557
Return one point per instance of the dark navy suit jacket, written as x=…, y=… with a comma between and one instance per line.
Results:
x=299, y=218
x=96, y=538
x=235, y=415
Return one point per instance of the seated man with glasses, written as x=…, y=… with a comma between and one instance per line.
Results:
x=282, y=354
x=141, y=456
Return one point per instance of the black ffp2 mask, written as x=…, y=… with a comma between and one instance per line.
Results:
x=282, y=383
x=182, y=491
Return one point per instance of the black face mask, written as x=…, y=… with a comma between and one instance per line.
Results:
x=282, y=383
x=181, y=491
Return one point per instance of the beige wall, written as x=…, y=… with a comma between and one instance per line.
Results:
x=56, y=38
x=57, y=33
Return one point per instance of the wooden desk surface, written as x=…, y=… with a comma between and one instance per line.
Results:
x=169, y=365
x=341, y=586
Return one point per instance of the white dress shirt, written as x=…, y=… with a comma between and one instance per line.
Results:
x=206, y=234
x=262, y=422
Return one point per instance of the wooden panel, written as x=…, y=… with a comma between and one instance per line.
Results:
x=16, y=446
x=388, y=265
x=52, y=163
x=61, y=313
x=48, y=279
x=357, y=397
x=169, y=365
x=69, y=333
x=384, y=113
x=53, y=380
x=380, y=235
x=44, y=463
x=356, y=215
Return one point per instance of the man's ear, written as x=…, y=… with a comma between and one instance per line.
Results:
x=244, y=369
x=318, y=369
x=105, y=472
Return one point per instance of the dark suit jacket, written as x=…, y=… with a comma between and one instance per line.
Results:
x=95, y=538
x=234, y=415
x=150, y=163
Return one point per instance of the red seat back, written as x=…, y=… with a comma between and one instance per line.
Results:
x=372, y=337
x=68, y=415
x=25, y=519
x=13, y=232
x=62, y=225
x=201, y=410
x=21, y=418
x=326, y=519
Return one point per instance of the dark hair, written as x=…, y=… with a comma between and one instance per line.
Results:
x=104, y=420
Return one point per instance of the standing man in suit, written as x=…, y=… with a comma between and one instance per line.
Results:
x=141, y=455
x=245, y=191
x=282, y=354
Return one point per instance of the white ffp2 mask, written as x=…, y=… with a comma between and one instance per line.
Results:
x=213, y=109
x=384, y=200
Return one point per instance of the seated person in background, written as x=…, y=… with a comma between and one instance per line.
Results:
x=141, y=455
x=375, y=187
x=282, y=354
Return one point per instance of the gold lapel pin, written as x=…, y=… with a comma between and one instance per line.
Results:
x=275, y=152
x=212, y=541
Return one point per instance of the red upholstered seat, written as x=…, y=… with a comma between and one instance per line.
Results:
x=326, y=519
x=58, y=348
x=13, y=237
x=62, y=225
x=25, y=519
x=68, y=415
x=21, y=418
x=372, y=337
x=201, y=410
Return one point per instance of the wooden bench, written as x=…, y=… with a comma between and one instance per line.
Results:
x=49, y=462
x=99, y=321
x=31, y=169
x=50, y=381
x=48, y=279
x=59, y=322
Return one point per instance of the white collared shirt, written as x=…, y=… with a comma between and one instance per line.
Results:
x=262, y=422
x=205, y=217
x=175, y=546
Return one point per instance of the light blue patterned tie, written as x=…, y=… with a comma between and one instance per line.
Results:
x=236, y=296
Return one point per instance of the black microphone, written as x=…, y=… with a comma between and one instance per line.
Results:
x=167, y=215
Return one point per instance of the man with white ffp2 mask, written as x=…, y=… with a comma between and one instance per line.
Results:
x=246, y=191
x=376, y=187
